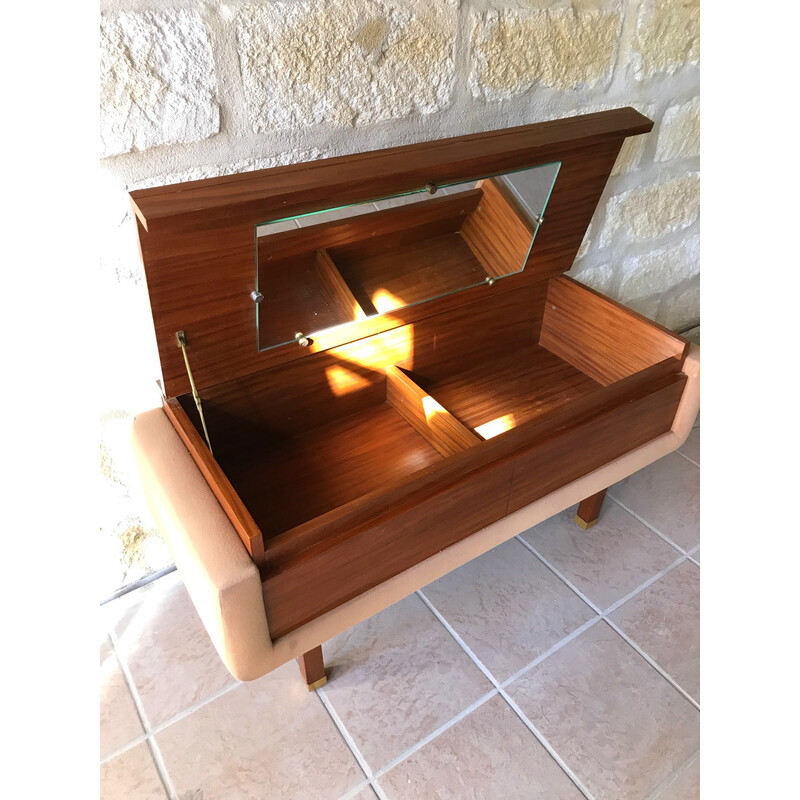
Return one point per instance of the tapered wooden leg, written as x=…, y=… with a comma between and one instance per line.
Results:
x=312, y=668
x=589, y=510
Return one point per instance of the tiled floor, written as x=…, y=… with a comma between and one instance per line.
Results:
x=564, y=663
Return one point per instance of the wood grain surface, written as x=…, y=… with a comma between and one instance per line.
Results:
x=198, y=249
x=231, y=502
x=498, y=232
x=428, y=417
x=601, y=337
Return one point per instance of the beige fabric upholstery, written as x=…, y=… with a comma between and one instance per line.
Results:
x=224, y=584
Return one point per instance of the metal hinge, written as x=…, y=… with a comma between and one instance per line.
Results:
x=181, y=337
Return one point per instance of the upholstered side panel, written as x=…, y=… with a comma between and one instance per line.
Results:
x=219, y=575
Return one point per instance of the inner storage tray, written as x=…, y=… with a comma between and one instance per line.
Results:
x=286, y=480
x=511, y=389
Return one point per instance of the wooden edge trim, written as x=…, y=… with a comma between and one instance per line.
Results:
x=336, y=286
x=245, y=525
x=210, y=193
x=428, y=417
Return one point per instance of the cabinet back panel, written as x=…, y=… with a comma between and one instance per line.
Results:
x=333, y=384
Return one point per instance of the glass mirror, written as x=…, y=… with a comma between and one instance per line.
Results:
x=330, y=268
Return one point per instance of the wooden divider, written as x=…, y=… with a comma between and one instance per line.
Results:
x=435, y=423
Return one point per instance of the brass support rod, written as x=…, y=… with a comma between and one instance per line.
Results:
x=181, y=336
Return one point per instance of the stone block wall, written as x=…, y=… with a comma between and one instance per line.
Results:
x=199, y=88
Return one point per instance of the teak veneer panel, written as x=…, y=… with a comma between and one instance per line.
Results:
x=601, y=337
x=556, y=461
x=525, y=381
x=302, y=298
x=393, y=226
x=317, y=584
x=298, y=189
x=198, y=246
x=290, y=398
x=285, y=482
x=336, y=286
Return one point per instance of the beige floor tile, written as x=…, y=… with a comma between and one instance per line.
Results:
x=266, y=738
x=613, y=719
x=397, y=677
x=367, y=793
x=685, y=786
x=609, y=560
x=666, y=495
x=119, y=720
x=664, y=620
x=488, y=754
x=508, y=607
x=691, y=447
x=696, y=555
x=168, y=652
x=131, y=775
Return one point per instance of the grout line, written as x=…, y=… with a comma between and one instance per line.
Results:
x=161, y=766
x=547, y=746
x=162, y=726
x=664, y=674
x=649, y=582
x=359, y=787
x=691, y=461
x=122, y=749
x=139, y=583
x=555, y=648
x=349, y=741
x=647, y=525
x=501, y=691
x=604, y=616
x=555, y=572
x=478, y=663
x=435, y=734
x=670, y=779
x=155, y=752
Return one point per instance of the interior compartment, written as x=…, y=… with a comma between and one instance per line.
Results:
x=585, y=345
x=515, y=387
x=288, y=477
x=304, y=439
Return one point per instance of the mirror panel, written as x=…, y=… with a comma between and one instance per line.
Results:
x=319, y=271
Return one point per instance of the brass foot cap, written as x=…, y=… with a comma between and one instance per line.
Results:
x=321, y=682
x=583, y=524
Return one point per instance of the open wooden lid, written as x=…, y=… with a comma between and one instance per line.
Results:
x=198, y=243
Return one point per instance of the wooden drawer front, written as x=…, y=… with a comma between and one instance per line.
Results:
x=554, y=462
x=304, y=591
